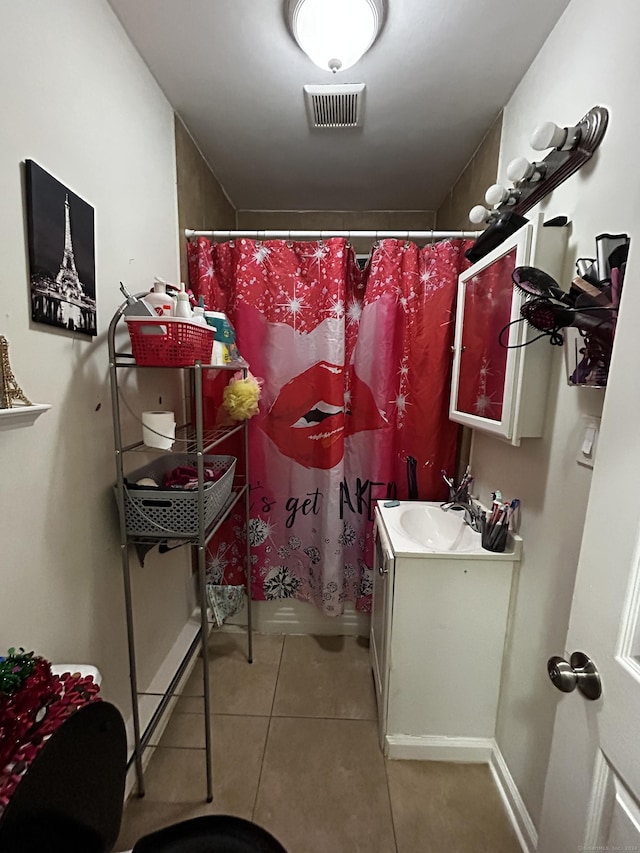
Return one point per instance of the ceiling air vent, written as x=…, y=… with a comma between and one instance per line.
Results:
x=339, y=105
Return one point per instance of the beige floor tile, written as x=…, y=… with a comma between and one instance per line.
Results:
x=178, y=775
x=228, y=645
x=351, y=651
x=331, y=690
x=325, y=677
x=323, y=787
x=237, y=687
x=438, y=806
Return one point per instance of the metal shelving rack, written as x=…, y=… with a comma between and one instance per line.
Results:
x=194, y=439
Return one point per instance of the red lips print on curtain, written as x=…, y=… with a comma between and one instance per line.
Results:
x=310, y=419
x=356, y=369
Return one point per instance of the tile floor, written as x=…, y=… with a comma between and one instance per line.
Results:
x=296, y=750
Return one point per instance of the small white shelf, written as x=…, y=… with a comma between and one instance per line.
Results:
x=21, y=416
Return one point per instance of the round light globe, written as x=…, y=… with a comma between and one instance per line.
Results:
x=335, y=34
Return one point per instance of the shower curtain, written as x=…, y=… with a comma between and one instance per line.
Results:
x=356, y=370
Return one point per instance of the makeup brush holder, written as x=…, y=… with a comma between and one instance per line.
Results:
x=587, y=357
x=493, y=537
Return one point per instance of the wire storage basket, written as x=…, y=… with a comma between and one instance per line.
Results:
x=173, y=512
x=169, y=342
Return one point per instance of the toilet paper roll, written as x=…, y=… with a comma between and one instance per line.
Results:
x=159, y=429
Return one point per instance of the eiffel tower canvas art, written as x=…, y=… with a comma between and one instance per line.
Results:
x=61, y=254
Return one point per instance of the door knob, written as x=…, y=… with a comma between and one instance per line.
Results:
x=581, y=672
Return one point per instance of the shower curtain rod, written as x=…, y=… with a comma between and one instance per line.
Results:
x=325, y=235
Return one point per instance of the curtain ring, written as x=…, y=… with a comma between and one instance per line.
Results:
x=407, y=242
x=376, y=242
x=289, y=241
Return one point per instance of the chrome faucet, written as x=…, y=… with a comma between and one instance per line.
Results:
x=460, y=499
x=472, y=512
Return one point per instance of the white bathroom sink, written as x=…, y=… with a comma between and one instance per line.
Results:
x=436, y=529
x=423, y=528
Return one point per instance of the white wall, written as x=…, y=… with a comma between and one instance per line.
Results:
x=77, y=99
x=590, y=58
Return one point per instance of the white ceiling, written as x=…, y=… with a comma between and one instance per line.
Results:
x=436, y=78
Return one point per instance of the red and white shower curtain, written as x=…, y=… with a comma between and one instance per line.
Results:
x=356, y=370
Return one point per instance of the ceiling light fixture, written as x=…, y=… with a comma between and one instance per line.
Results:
x=335, y=34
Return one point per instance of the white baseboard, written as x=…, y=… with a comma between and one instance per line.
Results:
x=470, y=750
x=301, y=617
x=514, y=804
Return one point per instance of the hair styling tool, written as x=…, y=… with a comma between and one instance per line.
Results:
x=618, y=264
x=555, y=339
x=583, y=265
x=548, y=318
x=545, y=316
x=606, y=244
x=535, y=282
x=619, y=256
x=617, y=276
x=588, y=269
x=585, y=303
x=586, y=293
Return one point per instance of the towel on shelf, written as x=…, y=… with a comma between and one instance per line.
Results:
x=225, y=601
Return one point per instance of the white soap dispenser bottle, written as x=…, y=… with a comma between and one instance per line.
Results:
x=159, y=299
x=183, y=309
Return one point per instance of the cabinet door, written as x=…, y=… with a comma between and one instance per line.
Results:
x=381, y=622
x=485, y=371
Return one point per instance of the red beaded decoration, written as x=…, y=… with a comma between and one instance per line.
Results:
x=31, y=713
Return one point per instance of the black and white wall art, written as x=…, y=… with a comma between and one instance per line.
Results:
x=61, y=254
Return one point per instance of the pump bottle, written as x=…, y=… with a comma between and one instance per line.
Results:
x=183, y=309
x=159, y=299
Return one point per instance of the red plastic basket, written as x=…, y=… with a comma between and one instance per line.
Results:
x=169, y=342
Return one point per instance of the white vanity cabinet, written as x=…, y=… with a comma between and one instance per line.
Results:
x=496, y=389
x=436, y=644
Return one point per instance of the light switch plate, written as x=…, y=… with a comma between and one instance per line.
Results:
x=588, y=440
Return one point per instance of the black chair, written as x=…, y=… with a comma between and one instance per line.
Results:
x=70, y=800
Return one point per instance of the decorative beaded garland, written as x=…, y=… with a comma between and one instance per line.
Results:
x=14, y=668
x=33, y=703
